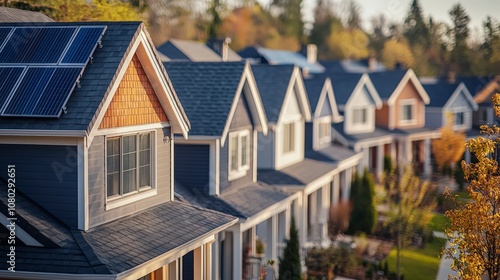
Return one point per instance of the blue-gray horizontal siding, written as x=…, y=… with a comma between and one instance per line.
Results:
x=97, y=178
x=48, y=175
x=192, y=167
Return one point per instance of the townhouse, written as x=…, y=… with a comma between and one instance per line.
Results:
x=317, y=176
x=88, y=118
x=218, y=166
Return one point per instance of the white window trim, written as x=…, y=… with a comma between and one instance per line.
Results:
x=142, y=193
x=466, y=114
x=413, y=104
x=354, y=115
x=295, y=125
x=242, y=169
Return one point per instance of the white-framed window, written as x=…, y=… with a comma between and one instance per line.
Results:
x=288, y=137
x=129, y=164
x=239, y=153
x=324, y=132
x=483, y=115
x=408, y=111
x=359, y=116
x=459, y=118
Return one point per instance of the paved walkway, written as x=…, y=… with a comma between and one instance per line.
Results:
x=444, y=265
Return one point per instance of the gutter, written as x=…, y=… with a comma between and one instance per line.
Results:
x=52, y=276
x=36, y=132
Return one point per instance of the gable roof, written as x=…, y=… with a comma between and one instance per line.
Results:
x=442, y=93
x=346, y=84
x=389, y=84
x=352, y=66
x=319, y=88
x=274, y=83
x=17, y=15
x=99, y=82
x=274, y=57
x=176, y=49
x=210, y=91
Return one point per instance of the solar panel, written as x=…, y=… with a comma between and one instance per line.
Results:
x=9, y=77
x=36, y=45
x=43, y=91
x=83, y=45
x=4, y=32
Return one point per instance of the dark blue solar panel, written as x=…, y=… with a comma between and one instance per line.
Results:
x=83, y=45
x=36, y=45
x=43, y=92
x=4, y=31
x=8, y=78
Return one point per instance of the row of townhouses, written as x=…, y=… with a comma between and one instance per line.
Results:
x=129, y=162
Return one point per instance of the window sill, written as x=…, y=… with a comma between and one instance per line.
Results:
x=407, y=122
x=121, y=201
x=236, y=174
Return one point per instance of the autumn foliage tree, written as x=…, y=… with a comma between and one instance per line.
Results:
x=450, y=148
x=474, y=231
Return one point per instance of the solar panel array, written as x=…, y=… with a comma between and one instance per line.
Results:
x=40, y=67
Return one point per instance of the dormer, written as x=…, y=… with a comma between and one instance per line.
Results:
x=226, y=112
x=324, y=113
x=449, y=101
x=287, y=108
x=403, y=98
x=357, y=99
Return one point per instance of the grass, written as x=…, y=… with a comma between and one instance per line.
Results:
x=438, y=222
x=418, y=263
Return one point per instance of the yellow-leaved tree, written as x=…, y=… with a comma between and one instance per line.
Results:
x=450, y=148
x=474, y=231
x=397, y=51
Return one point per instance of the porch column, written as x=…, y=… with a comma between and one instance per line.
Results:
x=380, y=161
x=326, y=210
x=253, y=240
x=311, y=215
x=467, y=155
x=365, y=161
x=216, y=258
x=427, y=158
x=408, y=151
x=208, y=261
x=271, y=238
x=198, y=263
x=335, y=189
x=347, y=187
x=172, y=270
x=301, y=218
x=237, y=254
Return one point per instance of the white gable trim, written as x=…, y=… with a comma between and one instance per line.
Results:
x=158, y=80
x=409, y=76
x=248, y=86
x=296, y=85
x=461, y=89
x=364, y=81
x=327, y=92
x=20, y=233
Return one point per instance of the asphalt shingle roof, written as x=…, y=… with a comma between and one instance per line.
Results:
x=386, y=82
x=314, y=87
x=96, y=82
x=188, y=51
x=128, y=242
x=243, y=202
x=343, y=85
x=207, y=91
x=333, y=153
x=17, y=15
x=358, y=137
x=351, y=66
x=273, y=81
x=439, y=93
x=297, y=175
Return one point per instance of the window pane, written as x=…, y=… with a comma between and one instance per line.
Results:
x=459, y=118
x=244, y=143
x=233, y=153
x=292, y=136
x=113, y=184
x=145, y=141
x=129, y=181
x=289, y=137
x=145, y=160
x=129, y=144
x=144, y=176
x=407, y=112
x=113, y=166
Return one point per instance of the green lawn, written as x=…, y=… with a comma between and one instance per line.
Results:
x=438, y=222
x=418, y=263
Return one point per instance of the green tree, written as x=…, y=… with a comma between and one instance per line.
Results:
x=460, y=34
x=324, y=19
x=415, y=28
x=290, y=18
x=363, y=215
x=411, y=203
x=474, y=231
x=397, y=52
x=289, y=266
x=216, y=21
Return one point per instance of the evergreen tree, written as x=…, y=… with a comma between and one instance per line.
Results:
x=415, y=28
x=363, y=215
x=289, y=266
x=460, y=35
x=290, y=18
x=216, y=22
x=353, y=20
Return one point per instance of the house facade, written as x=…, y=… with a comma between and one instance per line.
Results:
x=92, y=145
x=316, y=179
x=218, y=169
x=403, y=115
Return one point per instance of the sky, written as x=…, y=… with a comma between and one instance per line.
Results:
x=396, y=10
